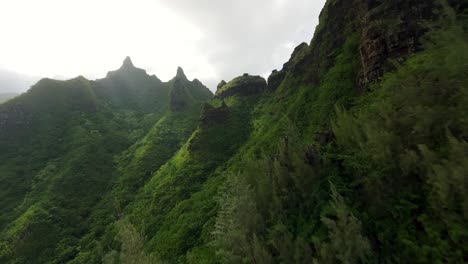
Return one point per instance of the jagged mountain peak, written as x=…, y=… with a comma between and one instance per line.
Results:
x=126, y=68
x=180, y=73
x=127, y=63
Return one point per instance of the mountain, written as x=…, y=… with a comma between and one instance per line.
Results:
x=60, y=141
x=355, y=151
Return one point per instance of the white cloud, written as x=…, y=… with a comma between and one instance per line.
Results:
x=210, y=39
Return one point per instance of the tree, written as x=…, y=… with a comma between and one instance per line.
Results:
x=346, y=243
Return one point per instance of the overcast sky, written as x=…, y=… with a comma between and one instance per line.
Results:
x=210, y=39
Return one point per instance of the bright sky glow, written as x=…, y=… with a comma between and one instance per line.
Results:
x=67, y=38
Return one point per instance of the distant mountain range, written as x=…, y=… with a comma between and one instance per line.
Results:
x=6, y=96
x=12, y=82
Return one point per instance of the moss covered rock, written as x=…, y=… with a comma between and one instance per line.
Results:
x=244, y=86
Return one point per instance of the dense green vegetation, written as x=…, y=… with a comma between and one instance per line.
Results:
x=94, y=143
x=324, y=168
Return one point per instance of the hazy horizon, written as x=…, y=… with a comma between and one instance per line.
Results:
x=211, y=40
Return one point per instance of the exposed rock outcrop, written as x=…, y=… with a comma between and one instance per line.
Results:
x=275, y=79
x=339, y=20
x=180, y=74
x=179, y=96
x=296, y=57
x=221, y=84
x=127, y=63
x=398, y=37
x=386, y=31
x=213, y=115
x=126, y=69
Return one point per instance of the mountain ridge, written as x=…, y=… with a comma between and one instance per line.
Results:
x=343, y=156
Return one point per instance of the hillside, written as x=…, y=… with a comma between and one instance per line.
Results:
x=354, y=152
x=63, y=144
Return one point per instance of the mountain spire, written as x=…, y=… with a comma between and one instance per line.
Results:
x=180, y=73
x=127, y=63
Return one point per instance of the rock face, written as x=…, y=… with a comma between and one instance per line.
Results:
x=244, y=86
x=181, y=74
x=339, y=20
x=379, y=43
x=275, y=79
x=221, y=84
x=399, y=37
x=212, y=115
x=183, y=93
x=298, y=54
x=179, y=96
x=179, y=100
x=126, y=68
x=128, y=63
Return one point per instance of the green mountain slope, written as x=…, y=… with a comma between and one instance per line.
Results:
x=77, y=141
x=354, y=152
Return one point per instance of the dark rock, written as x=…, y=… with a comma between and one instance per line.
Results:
x=180, y=73
x=179, y=95
x=221, y=84
x=296, y=57
x=212, y=115
x=396, y=39
x=127, y=63
x=179, y=98
x=338, y=19
x=275, y=79
x=127, y=69
x=388, y=30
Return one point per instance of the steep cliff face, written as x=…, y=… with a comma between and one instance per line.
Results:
x=338, y=20
x=277, y=77
x=366, y=147
x=213, y=115
x=386, y=31
x=392, y=31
